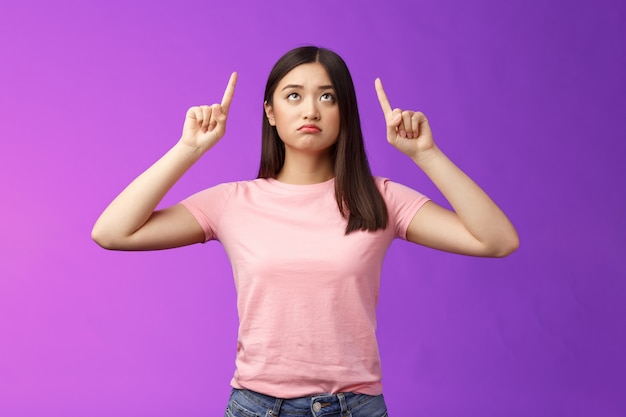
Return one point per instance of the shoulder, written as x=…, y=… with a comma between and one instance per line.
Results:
x=210, y=205
x=394, y=191
x=236, y=191
x=233, y=187
x=402, y=203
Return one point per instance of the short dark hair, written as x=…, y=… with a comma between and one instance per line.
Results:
x=358, y=198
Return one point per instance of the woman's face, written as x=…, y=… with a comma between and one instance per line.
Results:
x=304, y=110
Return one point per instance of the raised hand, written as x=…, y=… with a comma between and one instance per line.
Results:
x=205, y=125
x=407, y=130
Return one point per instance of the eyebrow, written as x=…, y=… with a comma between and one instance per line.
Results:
x=298, y=86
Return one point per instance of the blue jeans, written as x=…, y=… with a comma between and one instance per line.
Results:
x=245, y=403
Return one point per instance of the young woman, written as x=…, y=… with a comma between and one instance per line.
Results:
x=307, y=238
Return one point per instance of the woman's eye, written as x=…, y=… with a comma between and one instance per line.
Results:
x=293, y=96
x=327, y=97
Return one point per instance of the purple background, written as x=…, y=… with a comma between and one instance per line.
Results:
x=526, y=96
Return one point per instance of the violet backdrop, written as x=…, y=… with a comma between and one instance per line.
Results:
x=526, y=96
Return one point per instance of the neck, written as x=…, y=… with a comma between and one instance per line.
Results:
x=302, y=169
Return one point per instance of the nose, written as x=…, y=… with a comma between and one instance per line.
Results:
x=310, y=110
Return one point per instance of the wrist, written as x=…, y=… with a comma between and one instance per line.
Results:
x=426, y=157
x=188, y=151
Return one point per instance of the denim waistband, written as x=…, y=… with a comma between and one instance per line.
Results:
x=316, y=405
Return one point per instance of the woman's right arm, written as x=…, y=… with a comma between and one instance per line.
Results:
x=130, y=222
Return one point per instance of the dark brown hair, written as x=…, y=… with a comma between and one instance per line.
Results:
x=358, y=198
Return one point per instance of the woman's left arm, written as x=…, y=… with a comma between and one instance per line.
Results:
x=477, y=226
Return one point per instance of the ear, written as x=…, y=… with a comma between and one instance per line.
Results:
x=269, y=113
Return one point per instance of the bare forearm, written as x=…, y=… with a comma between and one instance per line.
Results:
x=130, y=221
x=475, y=209
x=135, y=204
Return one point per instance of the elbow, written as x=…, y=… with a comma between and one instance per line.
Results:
x=100, y=239
x=103, y=239
x=505, y=251
x=506, y=247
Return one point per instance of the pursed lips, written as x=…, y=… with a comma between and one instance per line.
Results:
x=309, y=128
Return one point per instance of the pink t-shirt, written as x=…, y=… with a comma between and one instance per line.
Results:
x=306, y=292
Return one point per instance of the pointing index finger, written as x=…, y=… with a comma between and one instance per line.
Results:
x=382, y=98
x=229, y=92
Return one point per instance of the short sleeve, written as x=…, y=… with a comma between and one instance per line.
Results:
x=207, y=207
x=402, y=204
